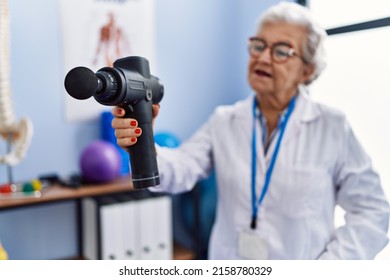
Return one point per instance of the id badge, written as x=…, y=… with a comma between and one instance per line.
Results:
x=252, y=246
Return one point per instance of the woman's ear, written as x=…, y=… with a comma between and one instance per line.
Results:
x=308, y=72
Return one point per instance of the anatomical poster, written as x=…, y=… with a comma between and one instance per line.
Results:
x=97, y=32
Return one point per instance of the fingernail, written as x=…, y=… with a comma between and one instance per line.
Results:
x=137, y=130
x=133, y=139
x=133, y=123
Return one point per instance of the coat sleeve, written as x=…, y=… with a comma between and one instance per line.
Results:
x=359, y=193
x=181, y=168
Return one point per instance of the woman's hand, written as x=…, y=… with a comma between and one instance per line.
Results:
x=126, y=129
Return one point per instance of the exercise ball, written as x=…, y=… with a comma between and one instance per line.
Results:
x=166, y=139
x=100, y=162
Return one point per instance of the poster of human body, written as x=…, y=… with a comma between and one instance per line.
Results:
x=96, y=33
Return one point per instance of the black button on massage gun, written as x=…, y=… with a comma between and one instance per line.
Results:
x=127, y=84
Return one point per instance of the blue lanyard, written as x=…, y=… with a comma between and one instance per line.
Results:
x=256, y=204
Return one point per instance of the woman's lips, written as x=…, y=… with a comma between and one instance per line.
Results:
x=262, y=73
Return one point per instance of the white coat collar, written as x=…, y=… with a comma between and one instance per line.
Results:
x=306, y=110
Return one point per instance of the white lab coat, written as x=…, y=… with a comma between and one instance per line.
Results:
x=320, y=164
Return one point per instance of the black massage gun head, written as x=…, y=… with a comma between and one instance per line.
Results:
x=81, y=83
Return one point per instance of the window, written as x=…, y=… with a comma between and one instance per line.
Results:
x=357, y=77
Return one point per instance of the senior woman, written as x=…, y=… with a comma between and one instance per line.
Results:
x=282, y=161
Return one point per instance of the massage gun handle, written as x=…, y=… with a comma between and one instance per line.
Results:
x=143, y=159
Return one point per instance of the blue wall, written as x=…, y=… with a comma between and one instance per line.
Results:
x=201, y=54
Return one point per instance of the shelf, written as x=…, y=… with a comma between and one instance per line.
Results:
x=57, y=193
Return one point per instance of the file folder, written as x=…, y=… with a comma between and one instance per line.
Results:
x=135, y=226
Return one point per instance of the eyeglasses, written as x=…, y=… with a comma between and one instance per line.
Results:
x=280, y=52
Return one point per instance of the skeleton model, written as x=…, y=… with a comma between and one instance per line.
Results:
x=16, y=134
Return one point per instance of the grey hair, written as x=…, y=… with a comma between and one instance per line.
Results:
x=313, y=48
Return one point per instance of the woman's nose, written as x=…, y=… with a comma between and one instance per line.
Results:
x=265, y=56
